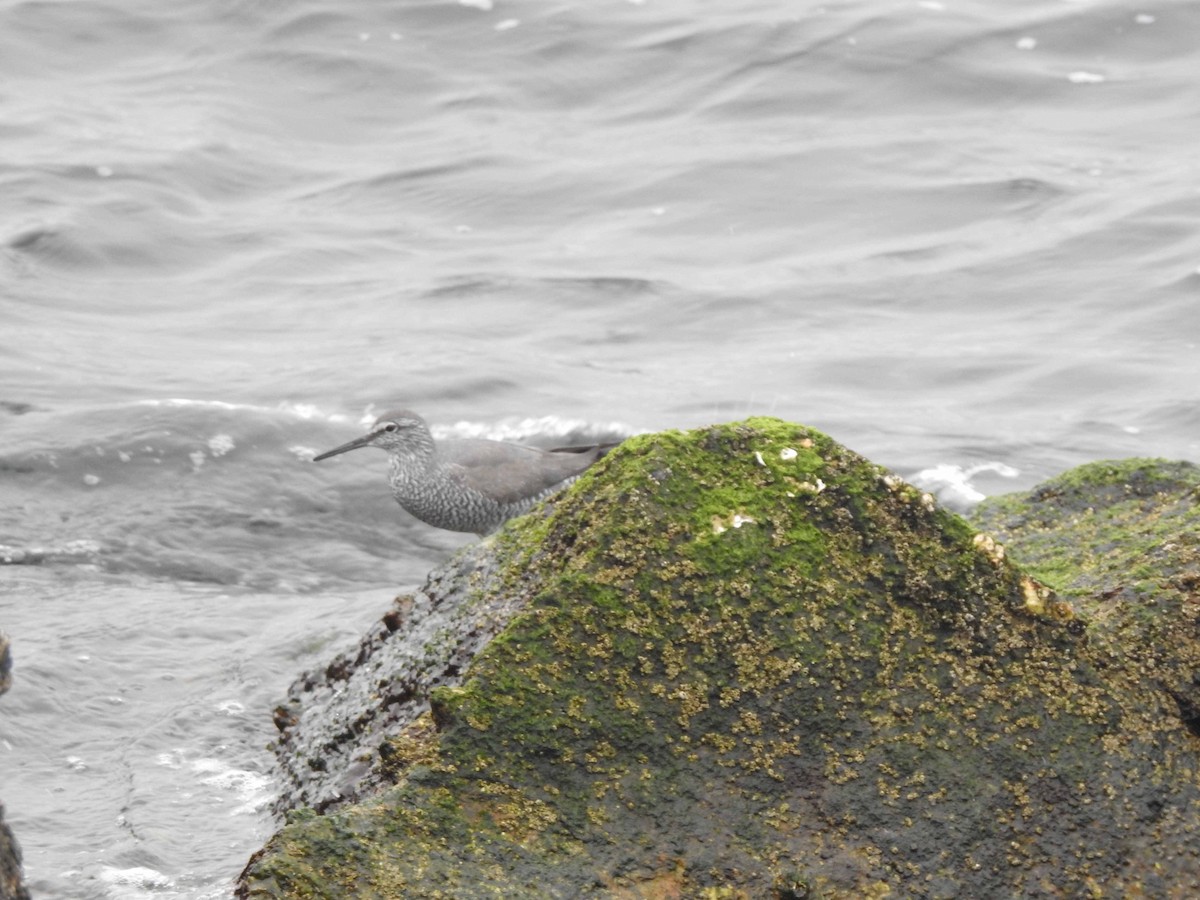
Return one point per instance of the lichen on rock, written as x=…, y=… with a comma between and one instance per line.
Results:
x=744, y=661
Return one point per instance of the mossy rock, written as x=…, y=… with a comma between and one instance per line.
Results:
x=751, y=663
x=1121, y=539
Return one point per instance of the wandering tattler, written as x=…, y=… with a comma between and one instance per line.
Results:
x=467, y=484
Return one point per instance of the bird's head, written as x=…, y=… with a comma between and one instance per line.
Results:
x=398, y=431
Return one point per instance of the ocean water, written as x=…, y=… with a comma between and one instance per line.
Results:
x=960, y=237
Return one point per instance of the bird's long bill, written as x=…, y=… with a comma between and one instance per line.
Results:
x=349, y=445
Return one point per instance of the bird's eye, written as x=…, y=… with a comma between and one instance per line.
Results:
x=391, y=426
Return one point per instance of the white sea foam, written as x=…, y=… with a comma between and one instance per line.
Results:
x=252, y=789
x=133, y=882
x=953, y=485
x=172, y=759
x=304, y=411
x=177, y=402
x=514, y=429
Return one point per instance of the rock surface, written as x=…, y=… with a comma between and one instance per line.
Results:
x=336, y=719
x=11, y=886
x=746, y=662
x=1121, y=541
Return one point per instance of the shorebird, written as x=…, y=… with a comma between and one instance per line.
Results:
x=467, y=484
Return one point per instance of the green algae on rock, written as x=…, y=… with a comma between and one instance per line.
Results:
x=1121, y=539
x=744, y=661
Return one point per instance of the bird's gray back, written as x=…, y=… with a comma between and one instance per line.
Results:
x=512, y=473
x=477, y=485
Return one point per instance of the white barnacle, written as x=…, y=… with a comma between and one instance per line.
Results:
x=989, y=547
x=787, y=453
x=720, y=524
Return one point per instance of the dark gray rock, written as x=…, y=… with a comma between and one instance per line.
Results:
x=335, y=719
x=11, y=885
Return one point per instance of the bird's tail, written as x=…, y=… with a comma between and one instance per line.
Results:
x=597, y=450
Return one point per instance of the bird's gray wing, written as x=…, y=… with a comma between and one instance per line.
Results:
x=509, y=473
